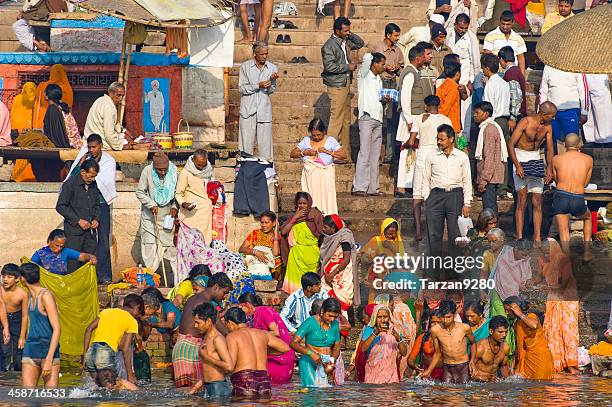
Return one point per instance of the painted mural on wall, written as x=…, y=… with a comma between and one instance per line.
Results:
x=156, y=105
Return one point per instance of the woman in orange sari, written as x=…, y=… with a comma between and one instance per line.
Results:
x=22, y=111
x=533, y=357
x=561, y=322
x=388, y=243
x=57, y=76
x=268, y=236
x=22, y=108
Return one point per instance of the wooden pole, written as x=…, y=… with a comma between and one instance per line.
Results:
x=125, y=83
x=121, y=63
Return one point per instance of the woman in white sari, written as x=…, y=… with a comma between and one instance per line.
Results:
x=318, y=152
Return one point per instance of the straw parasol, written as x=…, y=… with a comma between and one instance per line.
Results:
x=580, y=44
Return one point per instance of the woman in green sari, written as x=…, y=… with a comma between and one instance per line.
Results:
x=300, y=245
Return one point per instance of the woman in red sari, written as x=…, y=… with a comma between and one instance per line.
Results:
x=338, y=257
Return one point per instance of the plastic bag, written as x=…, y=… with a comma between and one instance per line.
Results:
x=461, y=143
x=465, y=224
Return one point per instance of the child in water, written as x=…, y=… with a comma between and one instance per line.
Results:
x=113, y=327
x=107, y=378
x=16, y=303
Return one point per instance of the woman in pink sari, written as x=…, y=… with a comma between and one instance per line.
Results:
x=280, y=367
x=383, y=344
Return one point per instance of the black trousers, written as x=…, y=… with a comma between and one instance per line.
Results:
x=508, y=185
x=84, y=243
x=10, y=353
x=440, y=207
x=103, y=267
x=489, y=197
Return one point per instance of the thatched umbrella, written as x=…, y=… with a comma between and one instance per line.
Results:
x=581, y=44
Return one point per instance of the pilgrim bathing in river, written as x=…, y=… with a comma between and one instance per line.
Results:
x=182, y=267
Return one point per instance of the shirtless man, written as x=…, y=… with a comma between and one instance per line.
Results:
x=492, y=351
x=450, y=345
x=248, y=348
x=572, y=172
x=16, y=303
x=185, y=354
x=214, y=354
x=524, y=150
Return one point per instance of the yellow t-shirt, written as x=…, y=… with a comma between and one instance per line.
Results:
x=113, y=324
x=185, y=289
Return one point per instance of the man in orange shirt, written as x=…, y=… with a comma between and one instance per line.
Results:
x=451, y=93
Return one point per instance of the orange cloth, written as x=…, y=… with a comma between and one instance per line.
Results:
x=533, y=358
x=561, y=322
x=23, y=108
x=57, y=76
x=177, y=39
x=22, y=171
x=450, y=102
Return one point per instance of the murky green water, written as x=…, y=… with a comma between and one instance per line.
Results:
x=560, y=392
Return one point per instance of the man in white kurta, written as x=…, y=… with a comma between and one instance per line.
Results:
x=418, y=34
x=156, y=190
x=102, y=119
x=598, y=128
x=465, y=44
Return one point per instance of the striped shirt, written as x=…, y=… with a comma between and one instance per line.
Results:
x=496, y=40
x=297, y=308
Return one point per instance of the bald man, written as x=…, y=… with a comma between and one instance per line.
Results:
x=572, y=172
x=529, y=169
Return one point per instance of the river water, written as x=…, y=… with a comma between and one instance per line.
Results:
x=562, y=391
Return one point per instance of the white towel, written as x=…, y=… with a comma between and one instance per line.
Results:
x=480, y=142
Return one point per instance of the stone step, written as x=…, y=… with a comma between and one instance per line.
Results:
x=308, y=37
x=384, y=205
x=296, y=115
x=8, y=15
x=342, y=187
x=292, y=170
x=285, y=70
x=358, y=24
x=318, y=99
x=10, y=46
x=7, y=33
x=281, y=52
x=374, y=10
x=291, y=85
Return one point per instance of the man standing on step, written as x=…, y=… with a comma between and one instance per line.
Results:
x=105, y=182
x=366, y=180
x=257, y=81
x=529, y=170
x=337, y=75
x=393, y=68
x=567, y=91
x=413, y=88
x=447, y=188
x=572, y=171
